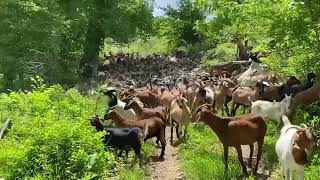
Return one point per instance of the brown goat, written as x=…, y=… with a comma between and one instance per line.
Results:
x=234, y=132
x=220, y=96
x=307, y=97
x=166, y=99
x=180, y=114
x=147, y=97
x=152, y=127
x=144, y=113
x=275, y=92
x=243, y=97
x=189, y=94
x=204, y=95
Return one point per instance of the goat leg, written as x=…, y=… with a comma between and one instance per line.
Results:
x=244, y=108
x=251, y=154
x=260, y=144
x=177, y=131
x=227, y=109
x=137, y=151
x=171, y=138
x=163, y=143
x=240, y=158
x=234, y=109
x=225, y=151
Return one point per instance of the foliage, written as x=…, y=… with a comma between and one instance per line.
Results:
x=143, y=47
x=60, y=40
x=225, y=52
x=178, y=24
x=51, y=137
x=287, y=30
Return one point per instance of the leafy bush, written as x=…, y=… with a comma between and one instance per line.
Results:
x=151, y=45
x=51, y=137
x=224, y=52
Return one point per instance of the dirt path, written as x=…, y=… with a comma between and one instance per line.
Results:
x=264, y=170
x=169, y=168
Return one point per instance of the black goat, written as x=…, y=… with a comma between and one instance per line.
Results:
x=294, y=90
x=120, y=138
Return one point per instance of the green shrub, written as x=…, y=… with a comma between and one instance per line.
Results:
x=51, y=137
x=224, y=52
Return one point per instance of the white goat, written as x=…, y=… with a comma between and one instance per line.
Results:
x=293, y=147
x=255, y=68
x=119, y=105
x=273, y=110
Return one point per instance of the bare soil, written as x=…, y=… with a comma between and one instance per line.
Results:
x=169, y=168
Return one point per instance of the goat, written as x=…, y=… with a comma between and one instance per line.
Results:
x=254, y=68
x=190, y=93
x=203, y=95
x=118, y=105
x=147, y=97
x=273, y=110
x=275, y=92
x=120, y=138
x=251, y=81
x=166, y=99
x=231, y=87
x=152, y=127
x=220, y=96
x=294, y=90
x=293, y=148
x=241, y=97
x=144, y=113
x=180, y=113
x=307, y=97
x=234, y=132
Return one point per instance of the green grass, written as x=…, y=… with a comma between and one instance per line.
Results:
x=202, y=156
x=132, y=173
x=131, y=169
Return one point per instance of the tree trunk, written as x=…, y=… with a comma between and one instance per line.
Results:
x=94, y=40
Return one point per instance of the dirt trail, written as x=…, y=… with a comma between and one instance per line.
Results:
x=169, y=168
x=264, y=170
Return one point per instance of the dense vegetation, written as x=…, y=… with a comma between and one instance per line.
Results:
x=52, y=137
x=60, y=42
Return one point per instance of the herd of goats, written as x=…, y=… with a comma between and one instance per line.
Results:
x=144, y=113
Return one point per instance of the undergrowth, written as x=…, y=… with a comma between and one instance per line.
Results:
x=51, y=137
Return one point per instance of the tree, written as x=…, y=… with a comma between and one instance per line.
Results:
x=178, y=24
x=56, y=39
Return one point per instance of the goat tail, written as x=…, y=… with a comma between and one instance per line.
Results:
x=285, y=120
